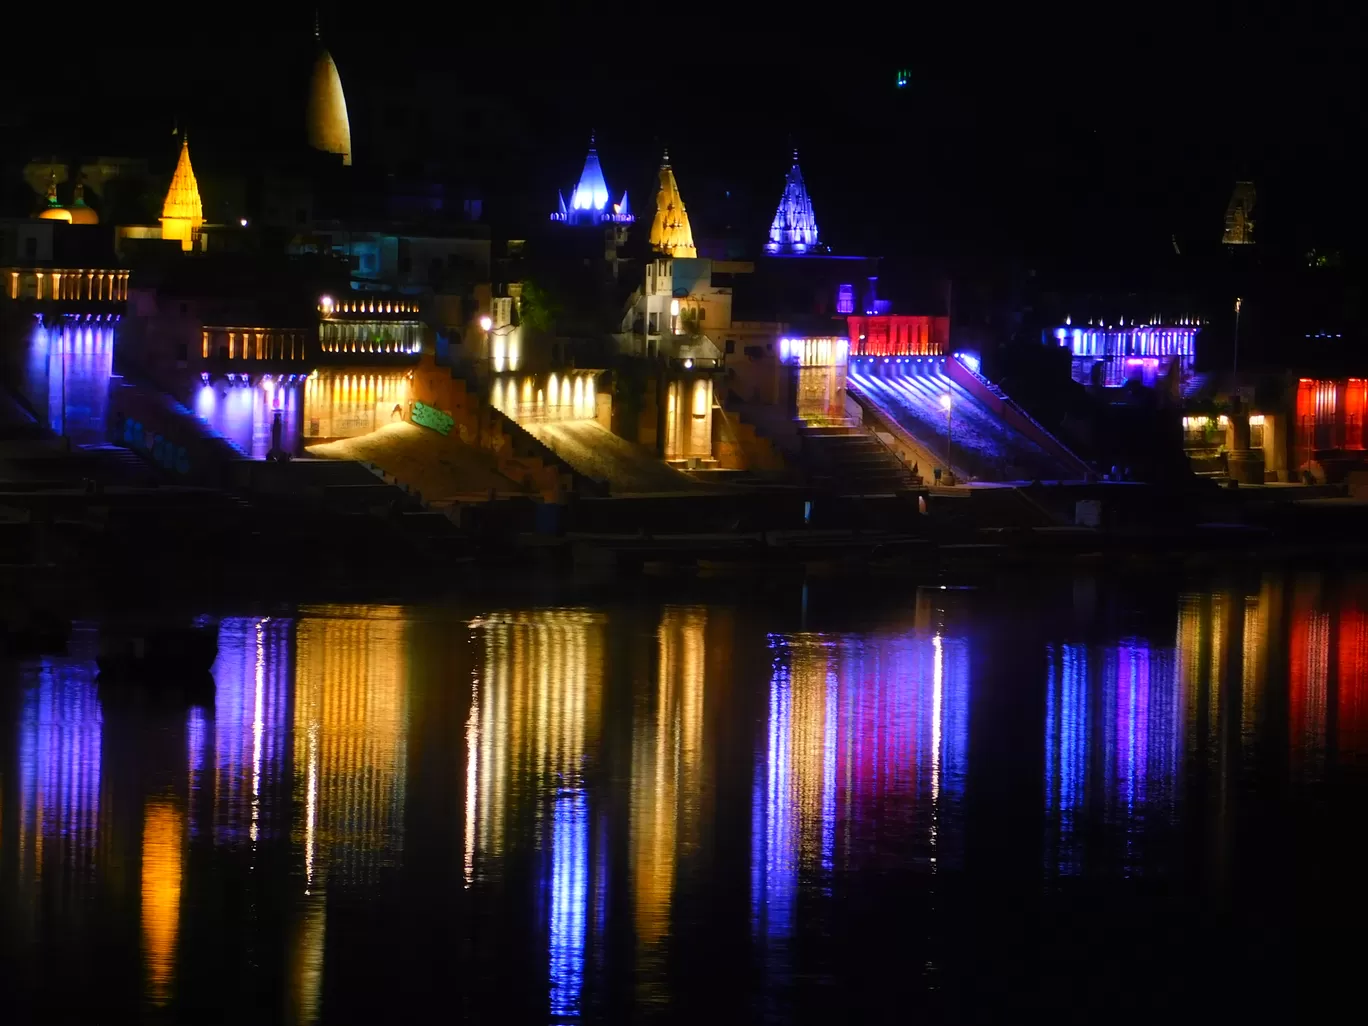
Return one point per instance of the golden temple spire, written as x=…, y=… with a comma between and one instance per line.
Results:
x=183, y=213
x=326, y=119
x=670, y=231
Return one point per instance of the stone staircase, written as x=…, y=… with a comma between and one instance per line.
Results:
x=1195, y=385
x=851, y=461
x=122, y=465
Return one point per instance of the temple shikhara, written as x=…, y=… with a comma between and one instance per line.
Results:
x=589, y=201
x=329, y=130
x=183, y=213
x=794, y=229
x=670, y=232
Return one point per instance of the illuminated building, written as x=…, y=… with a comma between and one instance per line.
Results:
x=670, y=231
x=84, y=284
x=350, y=742
x=898, y=335
x=66, y=376
x=662, y=325
x=1239, y=224
x=1112, y=355
x=344, y=404
x=547, y=398
x=182, y=213
x=54, y=211
x=688, y=416
x=820, y=367
x=369, y=325
x=328, y=129
x=794, y=229
x=589, y=200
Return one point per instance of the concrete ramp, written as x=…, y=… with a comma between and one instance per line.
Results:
x=984, y=444
x=439, y=467
x=597, y=453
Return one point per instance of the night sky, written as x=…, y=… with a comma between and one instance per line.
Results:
x=1036, y=136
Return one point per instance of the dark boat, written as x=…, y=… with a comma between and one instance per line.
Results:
x=157, y=656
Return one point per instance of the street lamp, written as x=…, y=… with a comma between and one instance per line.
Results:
x=947, y=405
x=1235, y=364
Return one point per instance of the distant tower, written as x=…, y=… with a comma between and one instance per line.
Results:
x=53, y=209
x=589, y=200
x=182, y=213
x=328, y=127
x=1239, y=225
x=670, y=231
x=794, y=230
x=80, y=213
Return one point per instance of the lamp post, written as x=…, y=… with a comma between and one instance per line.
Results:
x=947, y=404
x=487, y=323
x=1235, y=364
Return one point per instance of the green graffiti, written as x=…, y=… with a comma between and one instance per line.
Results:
x=431, y=417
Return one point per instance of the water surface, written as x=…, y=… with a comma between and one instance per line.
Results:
x=1088, y=802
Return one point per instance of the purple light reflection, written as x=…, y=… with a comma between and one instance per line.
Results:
x=251, y=725
x=60, y=730
x=569, y=902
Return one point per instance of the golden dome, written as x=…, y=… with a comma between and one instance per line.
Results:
x=182, y=213
x=80, y=213
x=328, y=127
x=670, y=231
x=54, y=211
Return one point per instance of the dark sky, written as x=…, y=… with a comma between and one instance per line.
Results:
x=1017, y=130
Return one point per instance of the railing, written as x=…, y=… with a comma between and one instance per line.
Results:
x=1016, y=408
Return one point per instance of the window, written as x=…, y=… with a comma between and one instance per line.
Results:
x=31, y=248
x=845, y=299
x=731, y=346
x=653, y=323
x=701, y=314
x=182, y=352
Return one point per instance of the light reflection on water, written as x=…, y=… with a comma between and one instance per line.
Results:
x=622, y=795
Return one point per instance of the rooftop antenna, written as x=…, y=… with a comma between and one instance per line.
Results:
x=317, y=34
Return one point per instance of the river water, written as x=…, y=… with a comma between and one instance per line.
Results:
x=1076, y=799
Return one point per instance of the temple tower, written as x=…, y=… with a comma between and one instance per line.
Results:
x=327, y=124
x=794, y=229
x=1239, y=226
x=52, y=207
x=589, y=201
x=182, y=213
x=670, y=231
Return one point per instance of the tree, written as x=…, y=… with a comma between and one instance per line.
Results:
x=537, y=310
